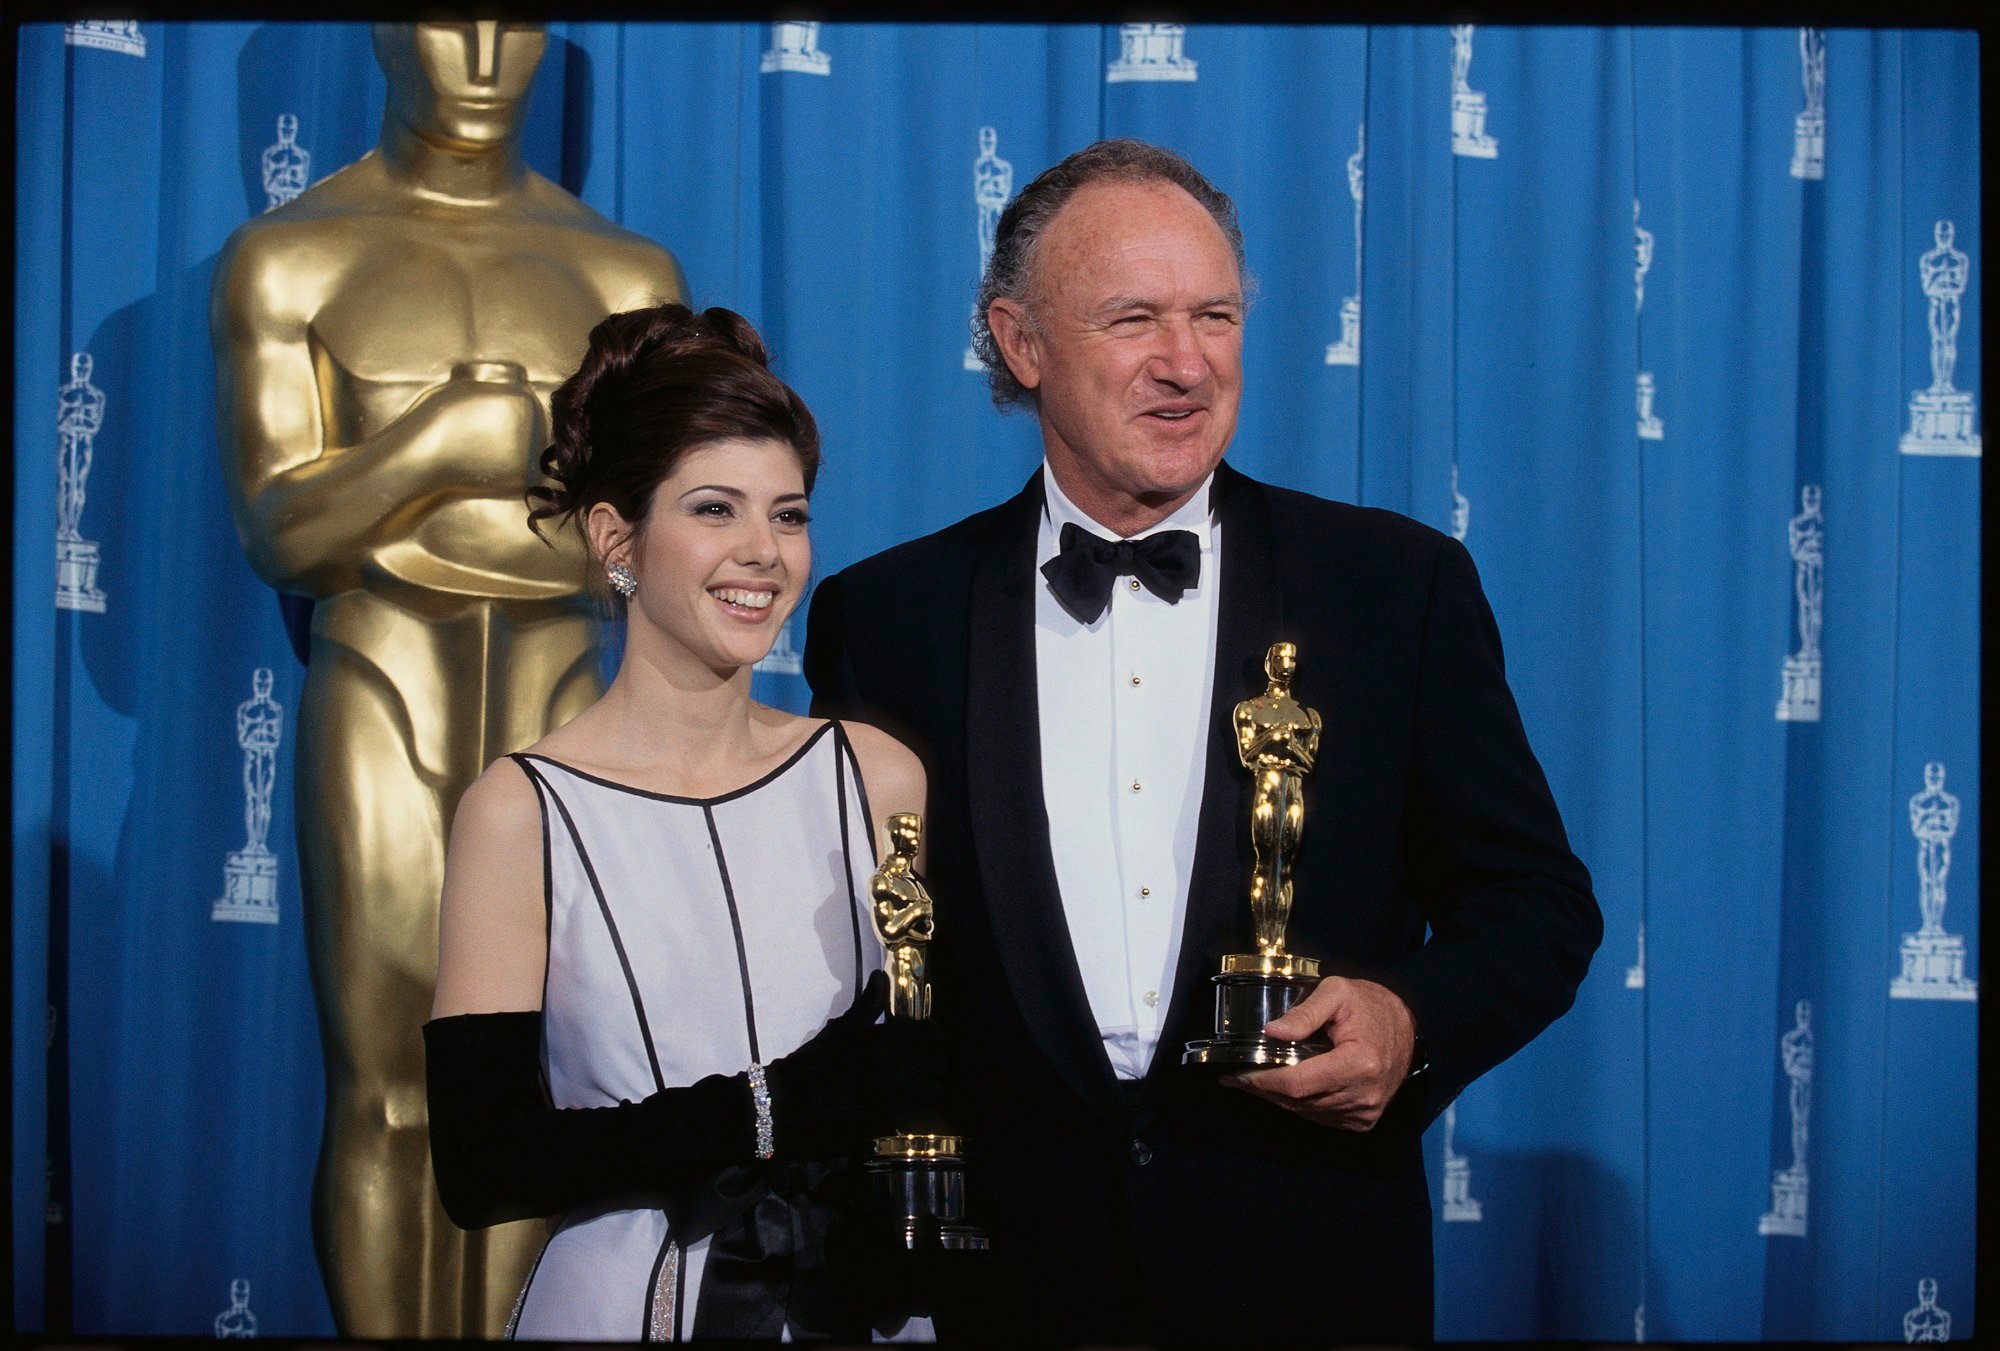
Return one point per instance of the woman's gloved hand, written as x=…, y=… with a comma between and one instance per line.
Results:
x=861, y=1076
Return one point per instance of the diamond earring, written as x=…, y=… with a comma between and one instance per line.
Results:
x=621, y=579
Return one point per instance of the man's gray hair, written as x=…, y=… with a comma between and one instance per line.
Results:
x=1017, y=239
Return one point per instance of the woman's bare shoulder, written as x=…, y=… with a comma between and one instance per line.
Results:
x=893, y=772
x=502, y=799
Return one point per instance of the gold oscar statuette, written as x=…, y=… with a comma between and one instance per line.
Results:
x=1277, y=739
x=386, y=345
x=918, y=1178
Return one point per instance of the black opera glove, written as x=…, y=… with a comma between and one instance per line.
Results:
x=501, y=1151
x=857, y=1079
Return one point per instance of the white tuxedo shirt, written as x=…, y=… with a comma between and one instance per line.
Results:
x=1123, y=705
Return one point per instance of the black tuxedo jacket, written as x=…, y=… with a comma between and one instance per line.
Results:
x=1175, y=1207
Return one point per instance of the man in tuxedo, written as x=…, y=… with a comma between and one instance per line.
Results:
x=1070, y=681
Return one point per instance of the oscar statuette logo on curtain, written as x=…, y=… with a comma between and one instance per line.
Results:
x=1807, y=538
x=1809, y=130
x=1650, y=426
x=795, y=48
x=1468, y=105
x=1941, y=417
x=1346, y=351
x=1933, y=964
x=286, y=164
x=1150, y=51
x=992, y=185
x=1460, y=1207
x=79, y=417
x=1790, y=1186
x=250, y=874
x=1927, y=1322
x=784, y=658
x=107, y=35
x=236, y=1321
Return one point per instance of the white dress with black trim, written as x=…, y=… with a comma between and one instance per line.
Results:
x=687, y=937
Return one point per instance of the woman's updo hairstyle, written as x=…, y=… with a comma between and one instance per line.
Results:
x=656, y=384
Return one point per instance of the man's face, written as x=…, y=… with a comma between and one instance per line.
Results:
x=1138, y=361
x=460, y=83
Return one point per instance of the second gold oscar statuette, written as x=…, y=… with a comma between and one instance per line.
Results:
x=918, y=1178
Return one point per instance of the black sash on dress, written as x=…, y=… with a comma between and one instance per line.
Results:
x=767, y=1267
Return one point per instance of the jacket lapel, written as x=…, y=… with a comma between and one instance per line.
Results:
x=1010, y=824
x=1218, y=909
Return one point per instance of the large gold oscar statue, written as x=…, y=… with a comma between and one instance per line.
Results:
x=386, y=345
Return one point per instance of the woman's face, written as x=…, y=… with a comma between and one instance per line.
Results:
x=724, y=554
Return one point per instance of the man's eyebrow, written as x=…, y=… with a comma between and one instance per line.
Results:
x=1117, y=303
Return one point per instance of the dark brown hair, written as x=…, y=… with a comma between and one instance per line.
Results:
x=656, y=384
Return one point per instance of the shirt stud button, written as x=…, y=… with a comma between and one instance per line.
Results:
x=1145, y=891
x=1152, y=998
x=1133, y=584
x=1135, y=680
x=1135, y=785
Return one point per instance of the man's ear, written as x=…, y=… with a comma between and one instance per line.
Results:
x=1019, y=345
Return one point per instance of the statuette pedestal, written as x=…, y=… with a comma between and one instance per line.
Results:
x=1941, y=424
x=249, y=888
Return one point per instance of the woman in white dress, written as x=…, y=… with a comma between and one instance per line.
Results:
x=654, y=1020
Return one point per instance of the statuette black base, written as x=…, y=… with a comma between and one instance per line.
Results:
x=1244, y=1002
x=918, y=1183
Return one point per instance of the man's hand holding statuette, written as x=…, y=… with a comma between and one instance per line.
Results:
x=1373, y=1035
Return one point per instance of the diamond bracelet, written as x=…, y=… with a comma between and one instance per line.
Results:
x=760, y=1096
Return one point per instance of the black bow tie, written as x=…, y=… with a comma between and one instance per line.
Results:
x=1082, y=575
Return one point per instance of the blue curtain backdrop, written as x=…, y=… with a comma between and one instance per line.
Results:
x=1658, y=321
